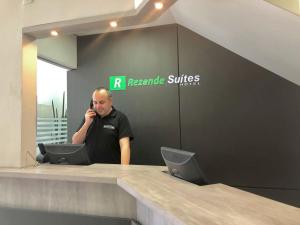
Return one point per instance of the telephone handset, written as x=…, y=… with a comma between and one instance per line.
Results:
x=92, y=106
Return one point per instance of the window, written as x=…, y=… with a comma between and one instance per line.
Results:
x=51, y=103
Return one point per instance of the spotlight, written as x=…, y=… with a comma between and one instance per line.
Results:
x=54, y=33
x=158, y=5
x=113, y=24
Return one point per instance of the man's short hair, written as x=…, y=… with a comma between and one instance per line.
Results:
x=105, y=89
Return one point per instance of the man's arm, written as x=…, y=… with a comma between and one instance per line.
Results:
x=80, y=135
x=125, y=150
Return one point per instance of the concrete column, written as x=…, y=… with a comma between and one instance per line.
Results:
x=16, y=88
x=28, y=126
x=10, y=85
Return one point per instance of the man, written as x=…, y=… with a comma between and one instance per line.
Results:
x=105, y=131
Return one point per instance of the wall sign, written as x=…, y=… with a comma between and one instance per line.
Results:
x=124, y=82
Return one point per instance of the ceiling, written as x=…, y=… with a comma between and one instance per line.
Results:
x=93, y=21
x=256, y=30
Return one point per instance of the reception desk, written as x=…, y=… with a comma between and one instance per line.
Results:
x=143, y=193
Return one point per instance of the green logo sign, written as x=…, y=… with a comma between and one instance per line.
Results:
x=117, y=83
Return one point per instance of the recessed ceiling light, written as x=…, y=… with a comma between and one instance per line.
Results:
x=54, y=33
x=113, y=24
x=158, y=5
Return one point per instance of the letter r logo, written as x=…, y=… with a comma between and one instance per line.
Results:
x=117, y=83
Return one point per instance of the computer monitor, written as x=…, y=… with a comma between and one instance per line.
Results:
x=68, y=154
x=184, y=165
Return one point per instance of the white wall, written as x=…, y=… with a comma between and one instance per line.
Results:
x=256, y=30
x=61, y=50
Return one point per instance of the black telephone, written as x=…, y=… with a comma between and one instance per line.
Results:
x=42, y=157
x=91, y=104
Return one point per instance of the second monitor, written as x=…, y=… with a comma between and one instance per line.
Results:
x=184, y=165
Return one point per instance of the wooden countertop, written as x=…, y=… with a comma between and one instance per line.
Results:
x=180, y=201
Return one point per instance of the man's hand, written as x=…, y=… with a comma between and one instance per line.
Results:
x=89, y=116
x=79, y=136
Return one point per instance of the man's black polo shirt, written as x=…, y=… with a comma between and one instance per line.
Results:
x=103, y=137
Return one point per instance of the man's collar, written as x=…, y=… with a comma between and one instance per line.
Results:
x=112, y=113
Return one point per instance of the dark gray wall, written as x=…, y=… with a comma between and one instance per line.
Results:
x=242, y=120
x=287, y=196
x=152, y=111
